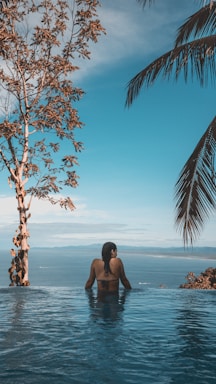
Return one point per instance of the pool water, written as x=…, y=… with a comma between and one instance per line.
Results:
x=63, y=334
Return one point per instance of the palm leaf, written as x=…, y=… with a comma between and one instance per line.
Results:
x=198, y=56
x=195, y=190
x=143, y=2
x=202, y=22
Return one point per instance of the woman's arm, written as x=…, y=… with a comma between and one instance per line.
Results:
x=125, y=282
x=92, y=276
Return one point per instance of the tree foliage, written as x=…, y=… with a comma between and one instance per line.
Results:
x=193, y=55
x=41, y=42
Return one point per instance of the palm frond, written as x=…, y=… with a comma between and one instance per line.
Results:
x=195, y=190
x=144, y=2
x=202, y=22
x=197, y=56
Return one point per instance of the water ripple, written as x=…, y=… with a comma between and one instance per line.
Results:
x=63, y=335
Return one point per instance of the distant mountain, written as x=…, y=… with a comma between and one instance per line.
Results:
x=175, y=251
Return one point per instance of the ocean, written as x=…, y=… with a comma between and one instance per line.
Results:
x=54, y=331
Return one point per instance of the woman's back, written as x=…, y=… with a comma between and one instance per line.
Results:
x=115, y=269
x=108, y=271
x=108, y=281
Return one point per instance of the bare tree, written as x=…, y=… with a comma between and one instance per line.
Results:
x=40, y=41
x=193, y=55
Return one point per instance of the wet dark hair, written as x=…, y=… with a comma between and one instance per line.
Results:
x=106, y=255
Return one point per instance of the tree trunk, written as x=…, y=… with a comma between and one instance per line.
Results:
x=19, y=265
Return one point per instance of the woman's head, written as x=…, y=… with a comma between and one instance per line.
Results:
x=107, y=252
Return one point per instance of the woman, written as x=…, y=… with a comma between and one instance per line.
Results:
x=108, y=271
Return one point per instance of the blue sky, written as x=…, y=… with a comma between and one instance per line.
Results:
x=132, y=157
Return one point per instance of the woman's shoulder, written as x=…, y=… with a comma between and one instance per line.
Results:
x=116, y=260
x=96, y=261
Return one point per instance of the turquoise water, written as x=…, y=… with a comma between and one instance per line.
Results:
x=54, y=331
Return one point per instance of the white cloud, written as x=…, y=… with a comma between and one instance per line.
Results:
x=52, y=226
x=133, y=32
x=43, y=211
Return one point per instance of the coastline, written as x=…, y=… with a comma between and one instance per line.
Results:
x=205, y=253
